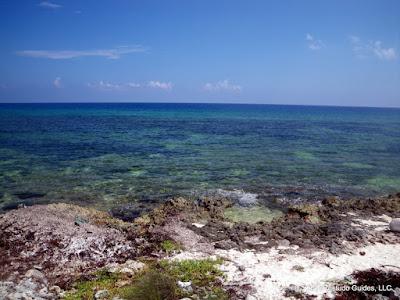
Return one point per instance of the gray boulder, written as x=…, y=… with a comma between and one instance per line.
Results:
x=394, y=225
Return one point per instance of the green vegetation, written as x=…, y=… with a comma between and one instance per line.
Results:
x=203, y=274
x=298, y=268
x=252, y=214
x=199, y=272
x=159, y=281
x=170, y=246
x=84, y=290
x=152, y=285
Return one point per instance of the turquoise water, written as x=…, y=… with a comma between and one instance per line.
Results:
x=107, y=154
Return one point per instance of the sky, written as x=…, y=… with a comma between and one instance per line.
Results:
x=280, y=52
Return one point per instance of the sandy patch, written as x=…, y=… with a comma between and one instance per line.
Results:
x=317, y=273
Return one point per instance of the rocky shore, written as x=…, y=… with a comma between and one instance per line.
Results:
x=192, y=250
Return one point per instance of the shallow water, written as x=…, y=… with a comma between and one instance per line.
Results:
x=106, y=154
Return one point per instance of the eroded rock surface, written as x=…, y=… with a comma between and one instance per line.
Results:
x=63, y=241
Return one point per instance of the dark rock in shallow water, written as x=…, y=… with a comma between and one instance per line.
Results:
x=129, y=212
x=331, y=201
x=29, y=195
x=17, y=204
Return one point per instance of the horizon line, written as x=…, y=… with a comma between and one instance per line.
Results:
x=217, y=103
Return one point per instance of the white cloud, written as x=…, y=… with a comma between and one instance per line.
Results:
x=105, y=86
x=359, y=49
x=371, y=48
x=48, y=4
x=383, y=53
x=133, y=85
x=108, y=86
x=313, y=43
x=160, y=85
x=57, y=82
x=354, y=39
x=223, y=85
x=114, y=53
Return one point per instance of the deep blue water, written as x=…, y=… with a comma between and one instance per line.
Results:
x=112, y=153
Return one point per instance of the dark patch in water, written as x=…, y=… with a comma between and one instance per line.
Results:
x=15, y=205
x=29, y=195
x=129, y=212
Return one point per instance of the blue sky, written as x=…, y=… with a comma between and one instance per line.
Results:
x=283, y=52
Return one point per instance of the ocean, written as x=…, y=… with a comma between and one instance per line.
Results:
x=112, y=153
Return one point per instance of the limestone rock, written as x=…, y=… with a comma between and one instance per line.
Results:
x=36, y=275
x=186, y=286
x=129, y=267
x=102, y=294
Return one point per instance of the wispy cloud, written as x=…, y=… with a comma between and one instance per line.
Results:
x=383, y=53
x=109, y=86
x=48, y=4
x=160, y=85
x=133, y=85
x=371, y=48
x=313, y=43
x=114, y=53
x=223, y=85
x=57, y=82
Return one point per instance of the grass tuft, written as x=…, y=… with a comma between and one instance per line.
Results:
x=170, y=246
x=152, y=285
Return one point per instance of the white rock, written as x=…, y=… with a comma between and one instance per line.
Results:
x=185, y=285
x=55, y=289
x=36, y=275
x=198, y=225
x=17, y=296
x=250, y=297
x=394, y=225
x=129, y=267
x=102, y=294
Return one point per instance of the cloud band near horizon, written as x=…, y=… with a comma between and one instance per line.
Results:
x=113, y=53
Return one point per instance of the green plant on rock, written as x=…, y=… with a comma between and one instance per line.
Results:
x=169, y=246
x=83, y=290
x=159, y=281
x=203, y=274
x=199, y=272
x=152, y=285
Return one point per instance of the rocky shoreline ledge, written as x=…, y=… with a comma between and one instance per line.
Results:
x=190, y=250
